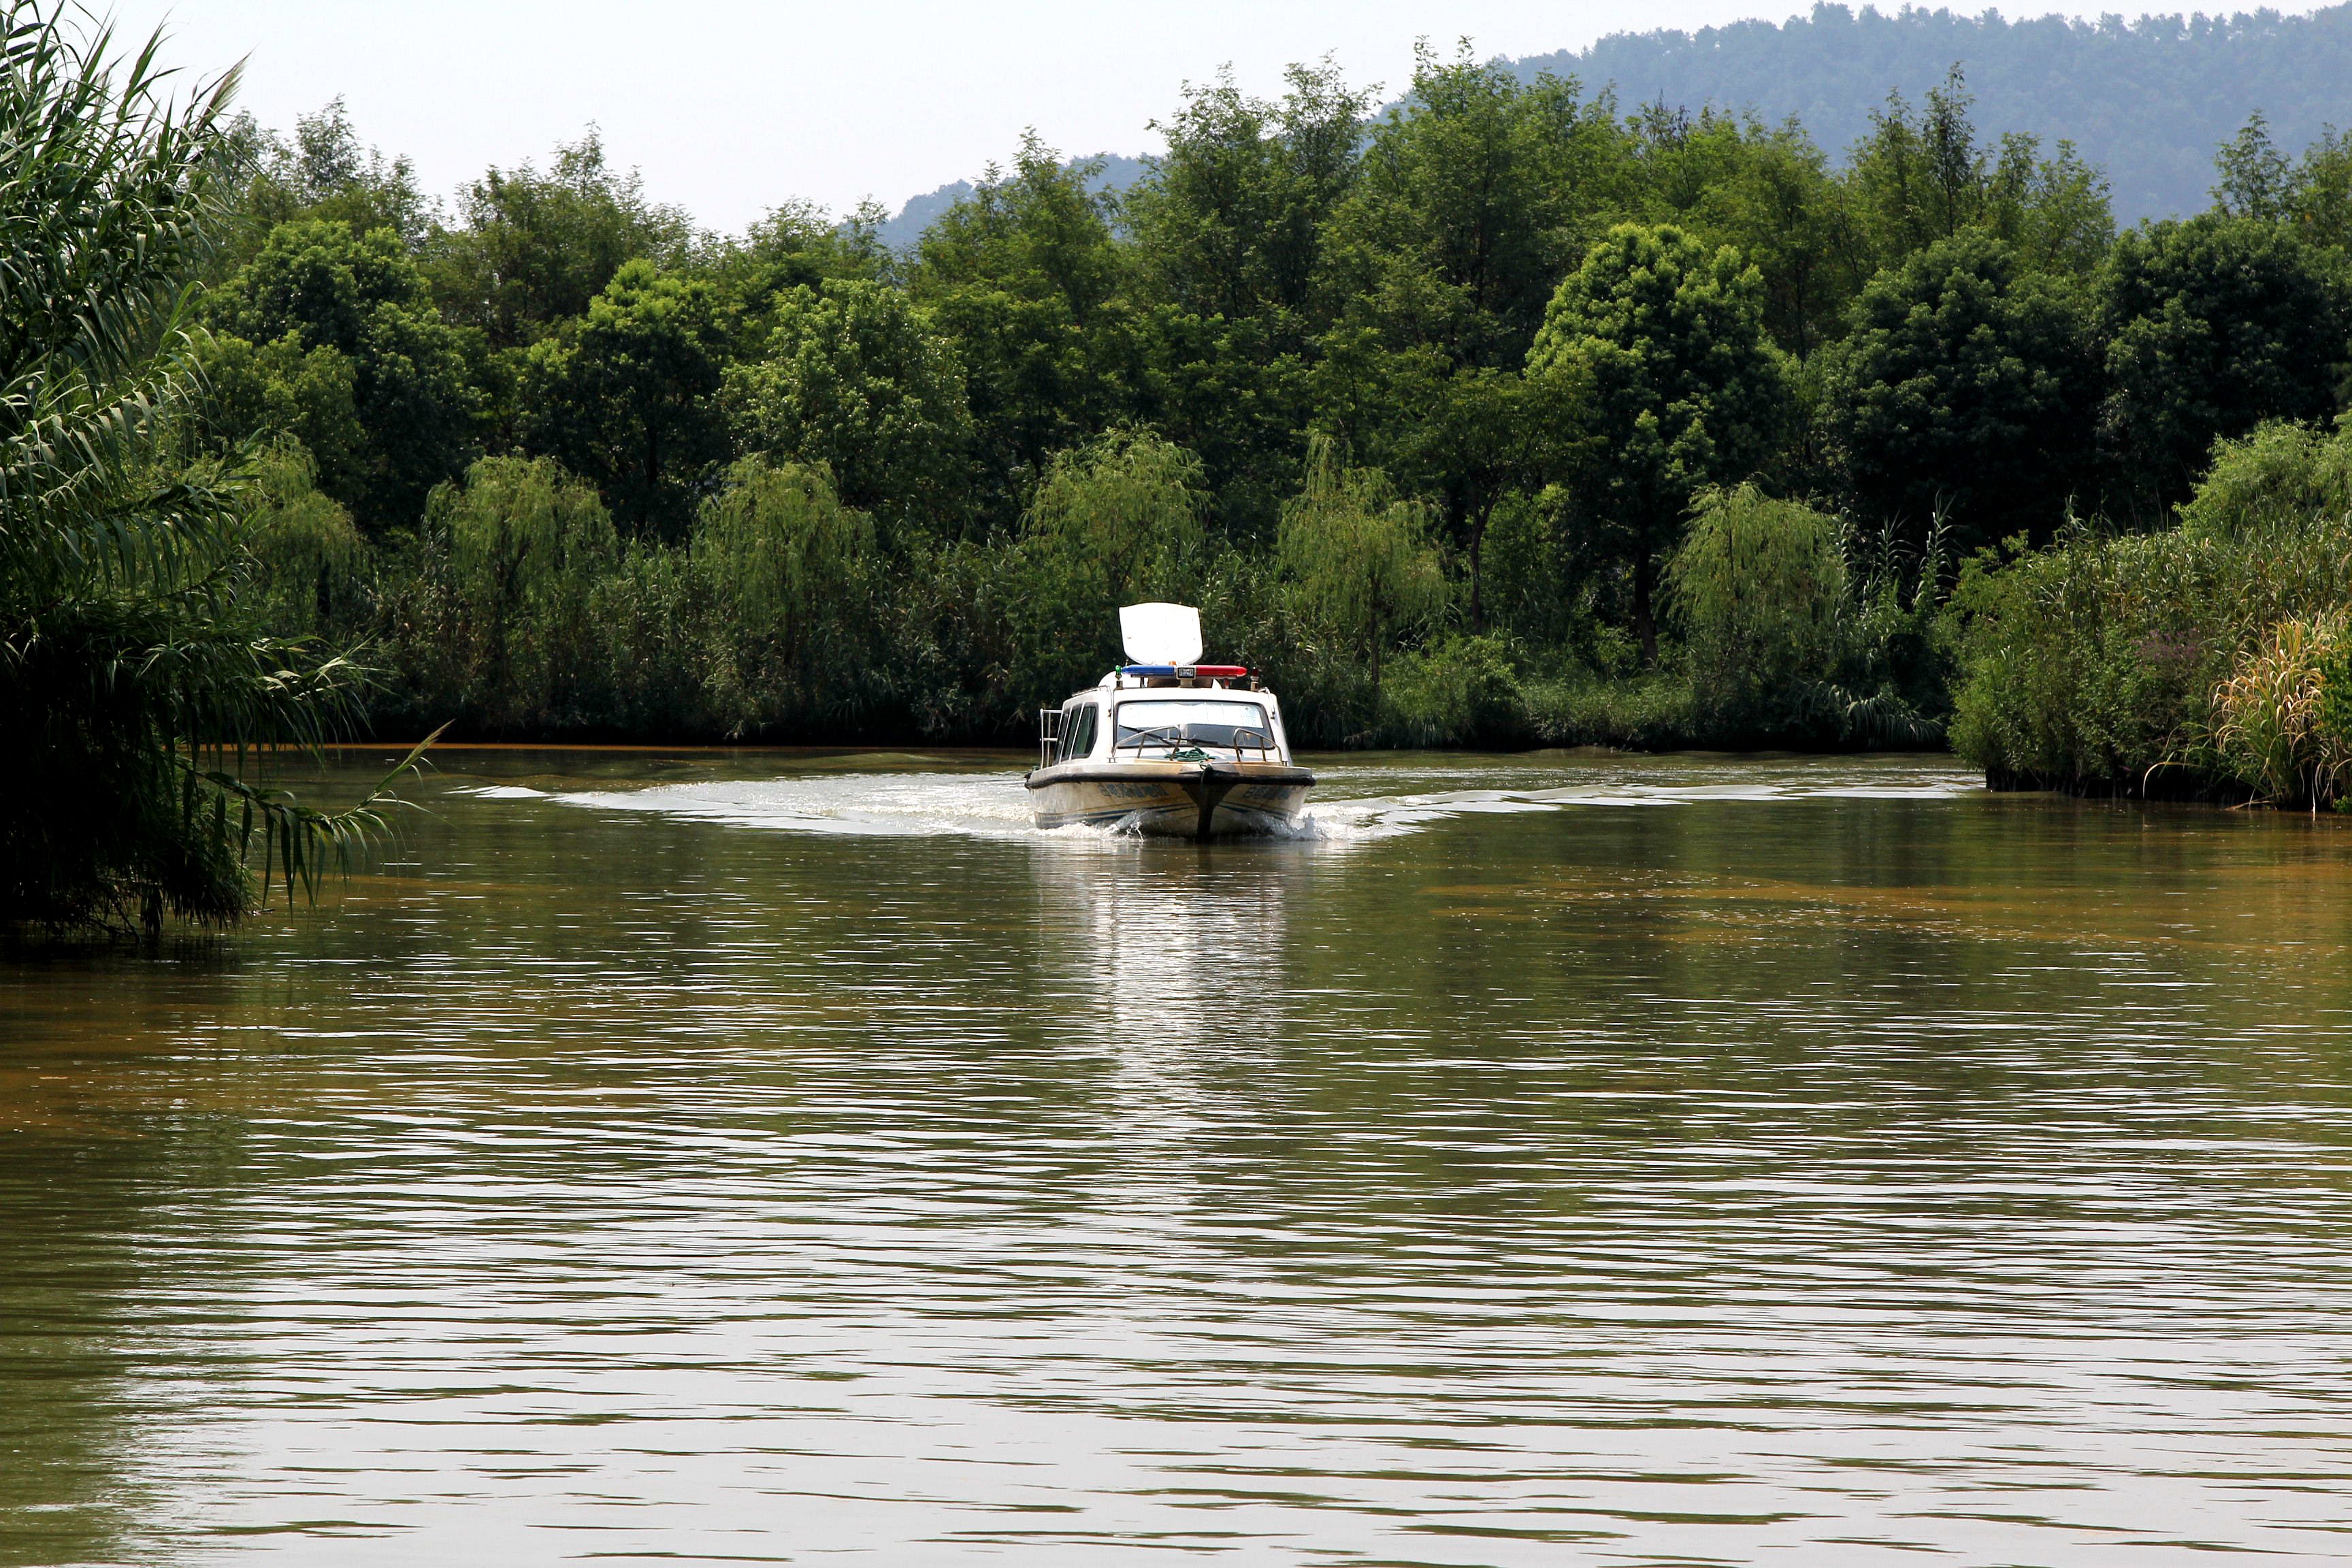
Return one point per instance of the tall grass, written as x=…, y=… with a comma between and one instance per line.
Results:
x=137, y=678
x=2188, y=662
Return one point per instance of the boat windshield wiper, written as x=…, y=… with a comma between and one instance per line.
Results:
x=1169, y=735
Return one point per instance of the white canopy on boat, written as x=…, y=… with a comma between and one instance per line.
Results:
x=1160, y=634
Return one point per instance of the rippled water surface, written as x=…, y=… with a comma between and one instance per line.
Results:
x=1547, y=1160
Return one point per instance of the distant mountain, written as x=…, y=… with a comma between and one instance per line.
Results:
x=904, y=229
x=2148, y=102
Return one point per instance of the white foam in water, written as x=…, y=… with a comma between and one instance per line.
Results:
x=981, y=805
x=994, y=805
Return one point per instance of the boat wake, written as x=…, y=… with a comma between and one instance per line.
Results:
x=1355, y=802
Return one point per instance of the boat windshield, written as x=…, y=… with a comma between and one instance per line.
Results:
x=1166, y=726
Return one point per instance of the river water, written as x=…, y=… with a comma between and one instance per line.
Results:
x=1560, y=1159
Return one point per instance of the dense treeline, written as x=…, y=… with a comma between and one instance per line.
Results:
x=1484, y=420
x=1503, y=417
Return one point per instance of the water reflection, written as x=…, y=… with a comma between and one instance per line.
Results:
x=1818, y=1161
x=1168, y=946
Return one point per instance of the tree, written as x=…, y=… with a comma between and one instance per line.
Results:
x=1116, y=521
x=1767, y=193
x=2319, y=194
x=1656, y=348
x=1024, y=278
x=2255, y=178
x=788, y=571
x=524, y=546
x=856, y=380
x=1476, y=437
x=1359, y=559
x=1759, y=588
x=1230, y=239
x=133, y=675
x=1231, y=221
x=310, y=562
x=797, y=245
x=283, y=390
x=2212, y=326
x=1920, y=179
x=1964, y=387
x=1472, y=197
x=530, y=249
x=324, y=170
x=627, y=396
x=317, y=284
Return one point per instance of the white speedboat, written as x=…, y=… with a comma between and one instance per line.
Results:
x=1167, y=745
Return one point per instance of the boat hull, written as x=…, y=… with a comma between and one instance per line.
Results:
x=1172, y=800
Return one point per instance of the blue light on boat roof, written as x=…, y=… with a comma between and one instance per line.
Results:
x=1212, y=670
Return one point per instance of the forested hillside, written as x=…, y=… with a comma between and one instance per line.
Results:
x=2146, y=100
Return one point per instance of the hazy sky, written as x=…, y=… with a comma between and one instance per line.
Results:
x=730, y=107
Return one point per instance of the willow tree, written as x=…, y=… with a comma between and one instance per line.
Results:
x=133, y=680
x=1118, y=520
x=1361, y=568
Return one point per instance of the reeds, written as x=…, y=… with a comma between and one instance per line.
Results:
x=2270, y=715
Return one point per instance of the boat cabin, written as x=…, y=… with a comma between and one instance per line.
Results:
x=1166, y=745
x=1152, y=713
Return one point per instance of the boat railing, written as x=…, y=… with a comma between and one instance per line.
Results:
x=1049, y=736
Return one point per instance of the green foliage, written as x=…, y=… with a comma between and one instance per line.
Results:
x=1759, y=590
x=1472, y=198
x=1231, y=221
x=2319, y=192
x=323, y=171
x=627, y=397
x=795, y=247
x=1463, y=691
x=1364, y=574
x=279, y=390
x=2095, y=665
x=1921, y=179
x=1966, y=386
x=1657, y=348
x=520, y=548
x=1024, y=277
x=854, y=380
x=133, y=670
x=1480, y=436
x=310, y=562
x=1117, y=522
x=2280, y=477
x=318, y=287
x=2213, y=326
x=788, y=574
x=2270, y=732
x=2146, y=97
x=1651, y=711
x=1767, y=193
x=845, y=491
x=2333, y=718
x=532, y=249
